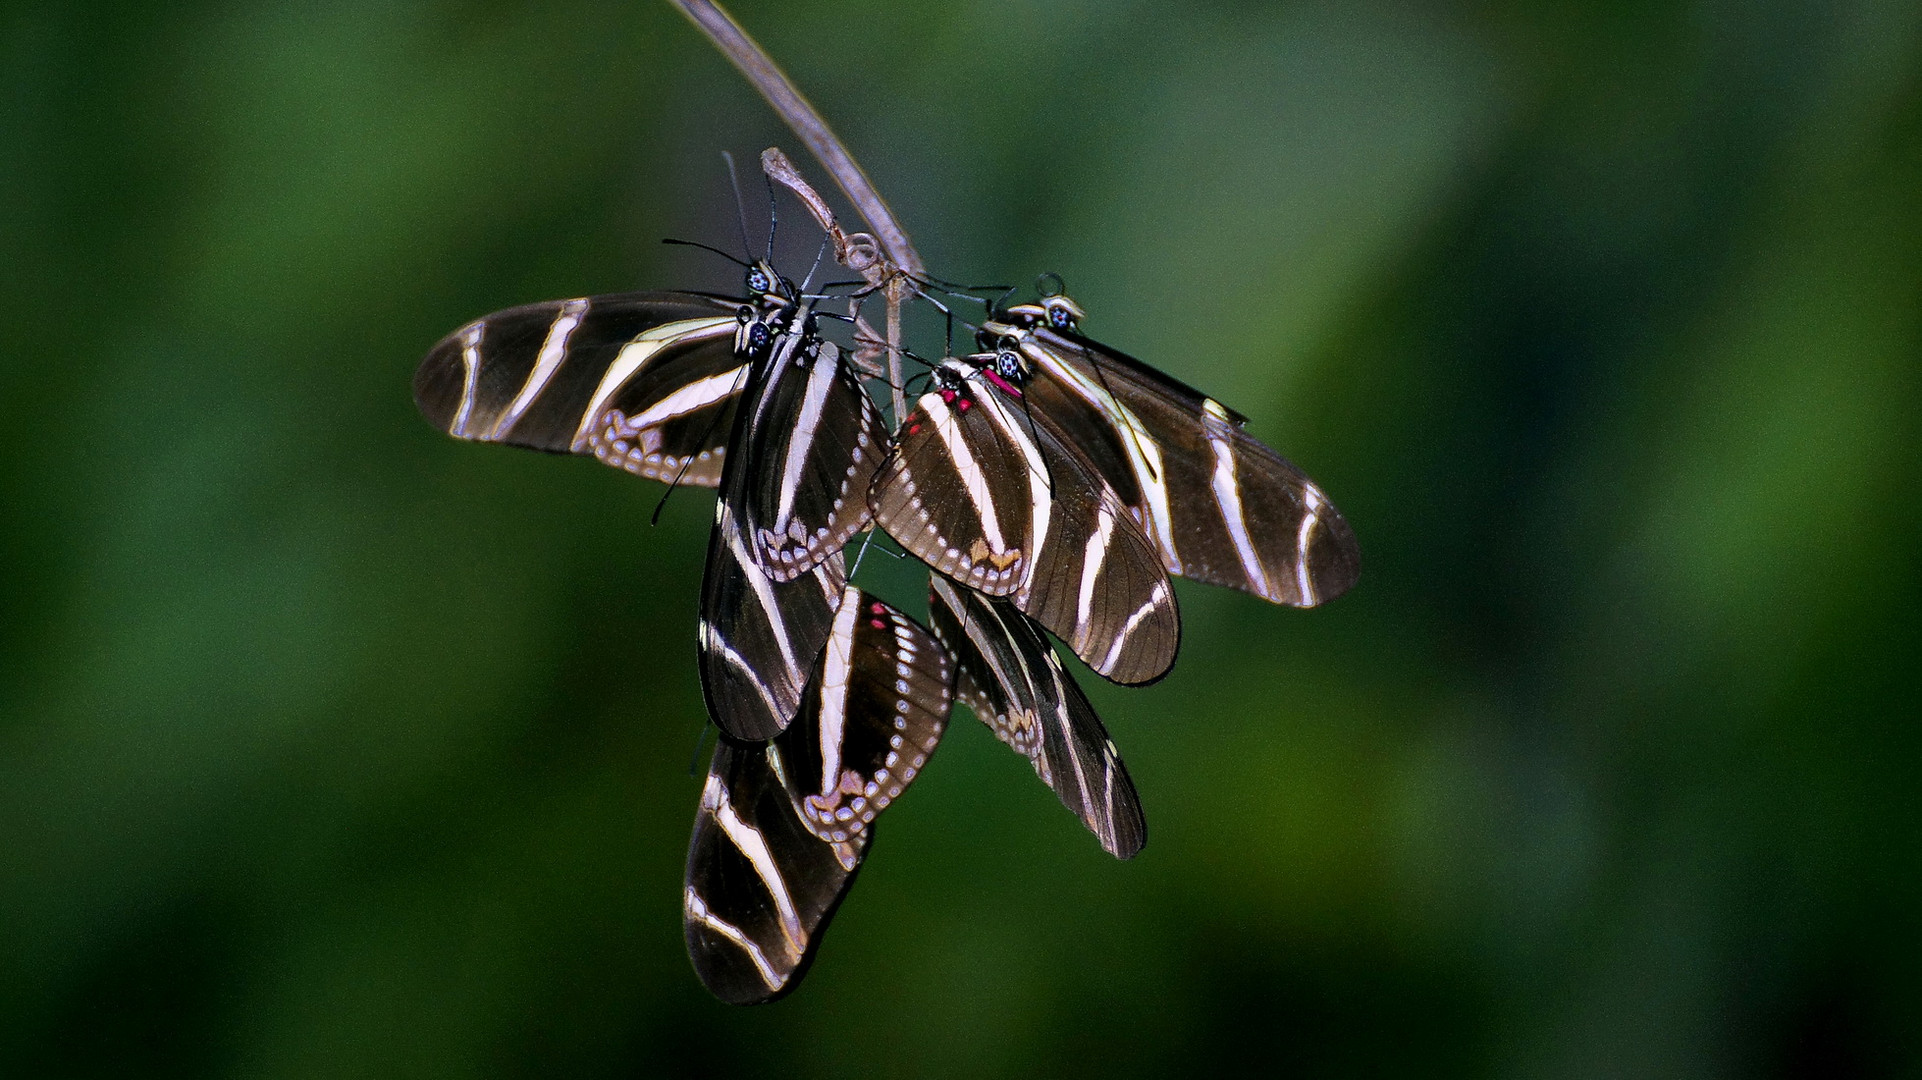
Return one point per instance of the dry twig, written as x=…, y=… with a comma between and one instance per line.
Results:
x=780, y=92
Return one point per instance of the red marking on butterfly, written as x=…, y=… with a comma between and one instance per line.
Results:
x=995, y=378
x=947, y=395
x=877, y=624
x=878, y=608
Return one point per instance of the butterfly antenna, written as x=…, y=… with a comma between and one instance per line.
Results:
x=818, y=253
x=703, y=247
x=967, y=291
x=773, y=216
x=740, y=204
x=707, y=439
x=700, y=740
x=1134, y=432
x=867, y=540
x=1035, y=434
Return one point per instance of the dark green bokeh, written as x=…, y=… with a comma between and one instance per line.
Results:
x=333, y=747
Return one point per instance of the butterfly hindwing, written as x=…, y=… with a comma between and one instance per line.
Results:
x=817, y=439
x=1009, y=676
x=783, y=825
x=995, y=497
x=646, y=382
x=876, y=709
x=759, y=637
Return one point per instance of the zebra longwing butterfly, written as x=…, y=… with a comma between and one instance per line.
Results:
x=1220, y=506
x=645, y=381
x=806, y=442
x=784, y=824
x=1011, y=679
x=994, y=496
x=650, y=383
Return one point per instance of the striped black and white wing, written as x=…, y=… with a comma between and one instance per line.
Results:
x=646, y=382
x=761, y=886
x=760, y=634
x=815, y=440
x=759, y=637
x=1218, y=504
x=997, y=499
x=783, y=825
x=875, y=710
x=1011, y=679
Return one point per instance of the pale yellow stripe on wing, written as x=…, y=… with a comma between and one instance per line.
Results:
x=635, y=355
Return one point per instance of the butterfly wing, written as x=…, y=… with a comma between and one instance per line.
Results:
x=995, y=497
x=646, y=382
x=1219, y=505
x=1009, y=676
x=761, y=886
x=817, y=439
x=759, y=637
x=874, y=712
x=784, y=825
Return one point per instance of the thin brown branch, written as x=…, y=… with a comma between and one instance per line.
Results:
x=857, y=252
x=787, y=101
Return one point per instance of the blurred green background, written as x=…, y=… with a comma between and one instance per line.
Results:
x=332, y=747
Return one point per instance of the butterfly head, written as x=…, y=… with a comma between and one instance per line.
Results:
x=1053, y=310
x=755, y=332
x=765, y=287
x=1062, y=313
x=1008, y=364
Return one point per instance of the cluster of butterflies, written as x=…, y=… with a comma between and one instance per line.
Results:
x=1054, y=483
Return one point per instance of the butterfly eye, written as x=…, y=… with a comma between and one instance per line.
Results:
x=1060, y=318
x=1008, y=365
x=757, y=281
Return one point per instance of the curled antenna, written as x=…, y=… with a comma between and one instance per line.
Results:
x=1049, y=285
x=740, y=204
x=703, y=247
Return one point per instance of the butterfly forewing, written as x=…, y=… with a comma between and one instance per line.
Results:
x=759, y=637
x=646, y=382
x=815, y=439
x=995, y=497
x=783, y=825
x=1009, y=676
x=1219, y=505
x=761, y=886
